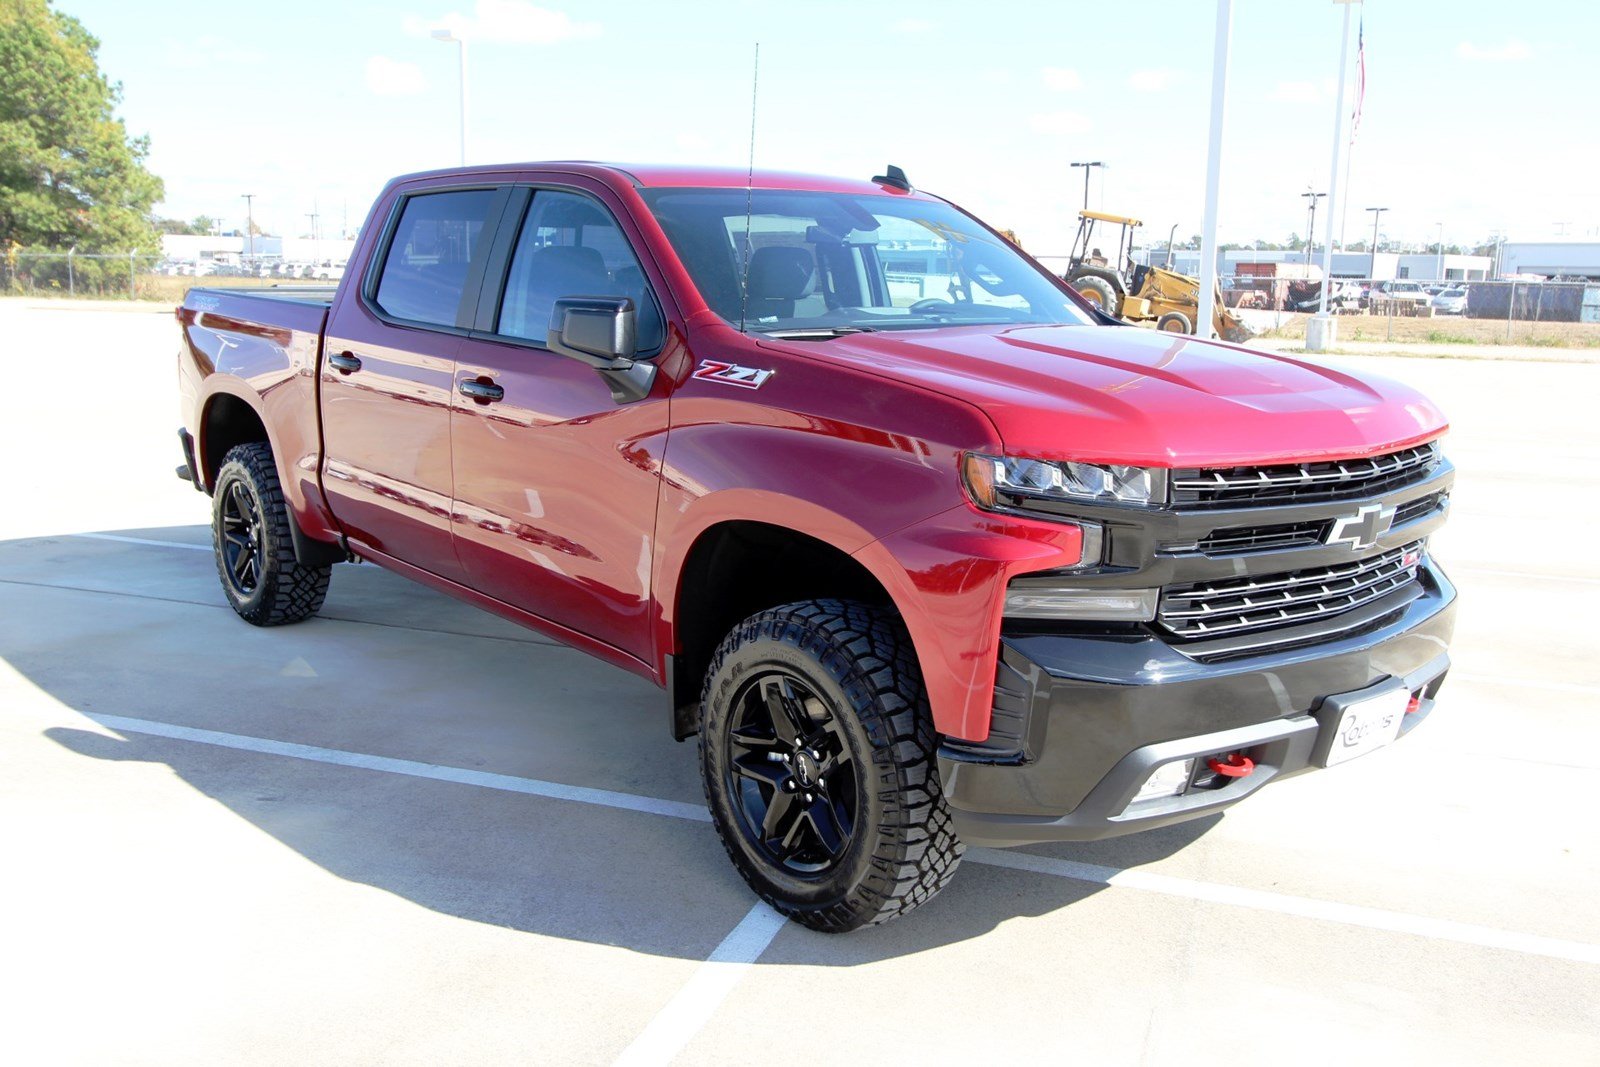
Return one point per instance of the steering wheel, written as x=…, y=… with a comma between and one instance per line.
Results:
x=935, y=304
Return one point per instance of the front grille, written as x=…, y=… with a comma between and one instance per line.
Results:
x=1243, y=540
x=1298, y=483
x=1240, y=605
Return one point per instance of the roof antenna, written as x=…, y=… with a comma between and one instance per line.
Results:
x=749, y=192
x=894, y=178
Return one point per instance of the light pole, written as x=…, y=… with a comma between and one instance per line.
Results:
x=461, y=55
x=1087, y=166
x=1377, y=213
x=1440, y=276
x=1311, y=224
x=249, y=224
x=1204, y=324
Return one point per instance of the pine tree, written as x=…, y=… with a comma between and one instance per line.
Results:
x=69, y=173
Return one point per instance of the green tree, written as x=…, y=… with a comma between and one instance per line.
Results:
x=69, y=172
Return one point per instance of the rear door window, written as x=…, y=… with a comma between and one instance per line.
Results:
x=430, y=255
x=571, y=246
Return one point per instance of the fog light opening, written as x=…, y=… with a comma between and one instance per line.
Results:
x=1167, y=780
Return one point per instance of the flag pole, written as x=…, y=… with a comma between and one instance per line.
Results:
x=1320, y=332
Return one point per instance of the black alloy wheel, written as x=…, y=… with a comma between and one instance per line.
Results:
x=240, y=513
x=790, y=774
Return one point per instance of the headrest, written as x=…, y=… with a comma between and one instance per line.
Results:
x=782, y=272
x=574, y=265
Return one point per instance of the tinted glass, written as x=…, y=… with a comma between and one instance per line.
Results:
x=426, y=267
x=571, y=246
x=802, y=260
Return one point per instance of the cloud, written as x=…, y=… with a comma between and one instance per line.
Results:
x=1151, y=81
x=912, y=26
x=1061, y=79
x=1060, y=122
x=1510, y=52
x=391, y=77
x=505, y=22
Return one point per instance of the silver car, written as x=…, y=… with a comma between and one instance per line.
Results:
x=1450, y=302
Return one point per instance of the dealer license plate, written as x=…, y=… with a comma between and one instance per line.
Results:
x=1366, y=725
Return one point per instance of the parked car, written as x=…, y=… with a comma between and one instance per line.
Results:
x=1403, y=290
x=920, y=571
x=1450, y=302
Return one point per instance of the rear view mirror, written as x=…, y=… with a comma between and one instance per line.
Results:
x=602, y=331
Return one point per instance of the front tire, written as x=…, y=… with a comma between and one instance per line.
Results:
x=817, y=755
x=263, y=581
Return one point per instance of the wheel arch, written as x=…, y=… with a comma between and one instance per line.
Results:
x=732, y=569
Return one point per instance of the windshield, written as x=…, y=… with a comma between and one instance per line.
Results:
x=841, y=262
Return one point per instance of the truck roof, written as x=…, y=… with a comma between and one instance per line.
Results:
x=667, y=175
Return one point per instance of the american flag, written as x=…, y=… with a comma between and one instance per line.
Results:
x=1361, y=78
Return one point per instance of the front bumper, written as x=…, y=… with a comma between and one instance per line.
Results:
x=1080, y=721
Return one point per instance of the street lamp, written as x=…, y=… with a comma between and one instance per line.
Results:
x=1440, y=276
x=1311, y=225
x=461, y=55
x=249, y=224
x=1377, y=213
x=1087, y=166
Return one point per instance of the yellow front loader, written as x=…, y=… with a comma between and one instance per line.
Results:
x=1137, y=293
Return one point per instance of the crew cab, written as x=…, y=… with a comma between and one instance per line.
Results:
x=925, y=550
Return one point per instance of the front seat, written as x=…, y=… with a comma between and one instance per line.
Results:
x=779, y=276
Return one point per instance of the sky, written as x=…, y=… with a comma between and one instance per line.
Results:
x=1478, y=116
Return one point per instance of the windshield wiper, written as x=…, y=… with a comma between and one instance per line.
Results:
x=820, y=333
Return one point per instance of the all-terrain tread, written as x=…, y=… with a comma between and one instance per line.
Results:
x=289, y=590
x=867, y=649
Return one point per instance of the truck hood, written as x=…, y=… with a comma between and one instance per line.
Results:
x=1130, y=395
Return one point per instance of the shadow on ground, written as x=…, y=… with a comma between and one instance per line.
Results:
x=651, y=883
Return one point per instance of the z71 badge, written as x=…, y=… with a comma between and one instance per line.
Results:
x=732, y=374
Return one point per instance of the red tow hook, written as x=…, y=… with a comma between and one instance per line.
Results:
x=1233, y=765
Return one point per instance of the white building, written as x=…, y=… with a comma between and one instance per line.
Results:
x=205, y=248
x=1552, y=258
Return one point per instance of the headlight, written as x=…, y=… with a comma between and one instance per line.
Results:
x=1005, y=482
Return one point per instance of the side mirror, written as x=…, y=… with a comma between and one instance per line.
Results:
x=602, y=331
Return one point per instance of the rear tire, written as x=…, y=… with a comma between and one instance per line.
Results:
x=817, y=755
x=264, y=583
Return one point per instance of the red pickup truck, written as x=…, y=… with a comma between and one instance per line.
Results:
x=923, y=548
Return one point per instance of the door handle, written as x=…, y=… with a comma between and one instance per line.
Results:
x=484, y=392
x=344, y=362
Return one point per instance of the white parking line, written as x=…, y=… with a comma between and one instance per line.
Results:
x=1330, y=911
x=140, y=541
x=687, y=1013
x=604, y=798
x=1535, y=575
x=1305, y=907
x=1525, y=683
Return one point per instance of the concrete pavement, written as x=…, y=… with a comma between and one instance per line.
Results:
x=408, y=832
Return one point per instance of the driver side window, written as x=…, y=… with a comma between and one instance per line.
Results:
x=571, y=246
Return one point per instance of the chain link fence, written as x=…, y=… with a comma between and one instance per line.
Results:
x=145, y=275
x=1449, y=311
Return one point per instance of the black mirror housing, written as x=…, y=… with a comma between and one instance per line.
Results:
x=598, y=330
x=603, y=332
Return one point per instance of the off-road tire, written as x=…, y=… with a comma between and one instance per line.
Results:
x=858, y=662
x=1175, y=322
x=283, y=590
x=1097, y=291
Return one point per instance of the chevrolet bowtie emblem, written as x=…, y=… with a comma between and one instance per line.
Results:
x=1362, y=529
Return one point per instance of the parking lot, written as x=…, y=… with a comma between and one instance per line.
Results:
x=408, y=832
